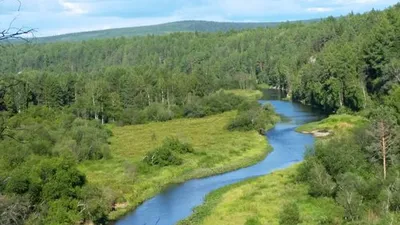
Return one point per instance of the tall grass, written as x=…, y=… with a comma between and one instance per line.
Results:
x=216, y=150
x=260, y=201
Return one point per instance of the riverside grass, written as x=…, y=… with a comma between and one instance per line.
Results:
x=334, y=124
x=260, y=201
x=217, y=150
x=249, y=94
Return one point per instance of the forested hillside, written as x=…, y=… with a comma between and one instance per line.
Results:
x=55, y=97
x=336, y=63
x=167, y=28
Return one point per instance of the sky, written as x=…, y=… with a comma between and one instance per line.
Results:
x=54, y=17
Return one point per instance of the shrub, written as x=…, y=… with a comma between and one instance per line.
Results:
x=290, y=215
x=158, y=112
x=91, y=140
x=162, y=157
x=166, y=155
x=352, y=203
x=256, y=118
x=175, y=145
x=321, y=183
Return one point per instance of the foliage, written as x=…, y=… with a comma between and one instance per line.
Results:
x=40, y=182
x=166, y=155
x=252, y=116
x=334, y=64
x=358, y=168
x=290, y=214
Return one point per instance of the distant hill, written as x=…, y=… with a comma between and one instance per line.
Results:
x=181, y=26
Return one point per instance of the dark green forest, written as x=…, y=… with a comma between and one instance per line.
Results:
x=55, y=98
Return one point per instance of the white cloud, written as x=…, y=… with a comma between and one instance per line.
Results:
x=73, y=8
x=320, y=9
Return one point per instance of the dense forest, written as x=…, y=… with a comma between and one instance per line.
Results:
x=55, y=98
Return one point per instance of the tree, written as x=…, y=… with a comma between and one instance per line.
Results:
x=383, y=133
x=10, y=32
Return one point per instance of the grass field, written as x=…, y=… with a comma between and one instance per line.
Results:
x=249, y=94
x=260, y=201
x=334, y=124
x=216, y=151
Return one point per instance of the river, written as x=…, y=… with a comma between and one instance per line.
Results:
x=176, y=203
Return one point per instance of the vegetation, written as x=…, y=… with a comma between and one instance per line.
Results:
x=39, y=179
x=336, y=64
x=253, y=117
x=212, y=150
x=290, y=214
x=260, y=201
x=248, y=94
x=56, y=101
x=359, y=168
x=334, y=124
x=349, y=178
x=161, y=29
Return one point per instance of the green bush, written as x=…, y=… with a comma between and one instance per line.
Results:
x=252, y=117
x=175, y=145
x=158, y=112
x=167, y=154
x=162, y=157
x=321, y=183
x=290, y=215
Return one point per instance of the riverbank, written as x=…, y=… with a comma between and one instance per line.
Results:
x=259, y=201
x=217, y=150
x=332, y=125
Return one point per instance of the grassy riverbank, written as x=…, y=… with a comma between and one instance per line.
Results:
x=249, y=94
x=259, y=201
x=334, y=124
x=217, y=150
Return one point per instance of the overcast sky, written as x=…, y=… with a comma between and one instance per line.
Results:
x=52, y=17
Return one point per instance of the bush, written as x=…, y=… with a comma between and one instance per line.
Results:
x=290, y=215
x=162, y=157
x=91, y=140
x=321, y=183
x=221, y=102
x=175, y=145
x=166, y=155
x=158, y=112
x=255, y=118
x=352, y=203
x=132, y=116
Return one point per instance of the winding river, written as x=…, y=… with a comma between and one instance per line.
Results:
x=177, y=202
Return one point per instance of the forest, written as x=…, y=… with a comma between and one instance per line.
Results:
x=57, y=101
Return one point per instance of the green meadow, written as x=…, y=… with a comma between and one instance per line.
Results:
x=217, y=150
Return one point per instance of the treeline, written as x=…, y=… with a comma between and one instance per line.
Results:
x=338, y=63
x=360, y=170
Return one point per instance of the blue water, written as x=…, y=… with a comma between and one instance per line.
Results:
x=177, y=202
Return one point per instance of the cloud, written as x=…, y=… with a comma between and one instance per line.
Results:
x=73, y=8
x=320, y=9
